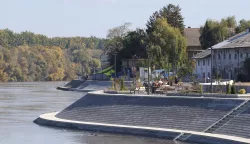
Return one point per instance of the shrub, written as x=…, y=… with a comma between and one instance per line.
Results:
x=117, y=84
x=242, y=91
x=201, y=89
x=233, y=89
x=139, y=84
x=113, y=84
x=228, y=89
x=122, y=84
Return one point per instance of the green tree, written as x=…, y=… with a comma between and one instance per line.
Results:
x=243, y=25
x=132, y=45
x=167, y=41
x=119, y=31
x=212, y=33
x=229, y=22
x=171, y=13
x=95, y=63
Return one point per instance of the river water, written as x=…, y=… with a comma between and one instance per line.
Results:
x=21, y=103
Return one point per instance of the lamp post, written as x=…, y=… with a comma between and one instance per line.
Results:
x=115, y=63
x=134, y=69
x=148, y=74
x=101, y=65
x=211, y=70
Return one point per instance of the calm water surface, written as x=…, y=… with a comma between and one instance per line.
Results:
x=21, y=103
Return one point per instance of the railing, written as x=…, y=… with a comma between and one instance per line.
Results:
x=229, y=113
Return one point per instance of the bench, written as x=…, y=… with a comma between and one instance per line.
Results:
x=134, y=89
x=137, y=89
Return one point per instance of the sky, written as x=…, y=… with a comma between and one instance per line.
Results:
x=66, y=18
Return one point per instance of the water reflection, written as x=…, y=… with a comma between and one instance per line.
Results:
x=21, y=103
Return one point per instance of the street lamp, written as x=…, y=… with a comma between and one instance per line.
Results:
x=211, y=70
x=134, y=69
x=148, y=74
x=101, y=64
x=115, y=53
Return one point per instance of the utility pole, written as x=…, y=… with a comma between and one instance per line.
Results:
x=175, y=67
x=238, y=69
x=101, y=65
x=211, y=70
x=148, y=74
x=115, y=64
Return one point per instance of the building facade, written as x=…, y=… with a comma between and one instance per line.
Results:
x=228, y=58
x=193, y=42
x=228, y=62
x=203, y=64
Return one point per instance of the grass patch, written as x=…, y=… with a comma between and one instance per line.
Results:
x=108, y=71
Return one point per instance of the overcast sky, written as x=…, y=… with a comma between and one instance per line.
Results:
x=94, y=17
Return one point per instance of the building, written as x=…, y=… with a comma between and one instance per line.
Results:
x=104, y=59
x=203, y=64
x=129, y=64
x=229, y=55
x=193, y=41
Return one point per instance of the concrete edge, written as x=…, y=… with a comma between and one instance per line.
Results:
x=74, y=89
x=50, y=119
x=101, y=92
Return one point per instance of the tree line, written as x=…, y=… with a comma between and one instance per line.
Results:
x=163, y=40
x=215, y=31
x=27, y=56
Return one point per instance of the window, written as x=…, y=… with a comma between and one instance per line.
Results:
x=229, y=56
x=241, y=55
x=204, y=63
x=218, y=56
x=235, y=70
x=208, y=74
x=198, y=62
x=235, y=56
x=208, y=62
x=204, y=75
x=247, y=55
x=224, y=56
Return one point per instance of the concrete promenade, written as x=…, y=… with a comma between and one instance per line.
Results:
x=49, y=119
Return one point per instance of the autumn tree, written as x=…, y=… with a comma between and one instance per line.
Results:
x=27, y=56
x=95, y=63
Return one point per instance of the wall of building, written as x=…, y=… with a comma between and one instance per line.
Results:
x=203, y=67
x=228, y=62
x=104, y=60
x=193, y=50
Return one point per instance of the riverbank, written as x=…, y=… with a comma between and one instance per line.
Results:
x=50, y=119
x=102, y=101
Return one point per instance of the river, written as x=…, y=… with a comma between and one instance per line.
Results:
x=21, y=103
